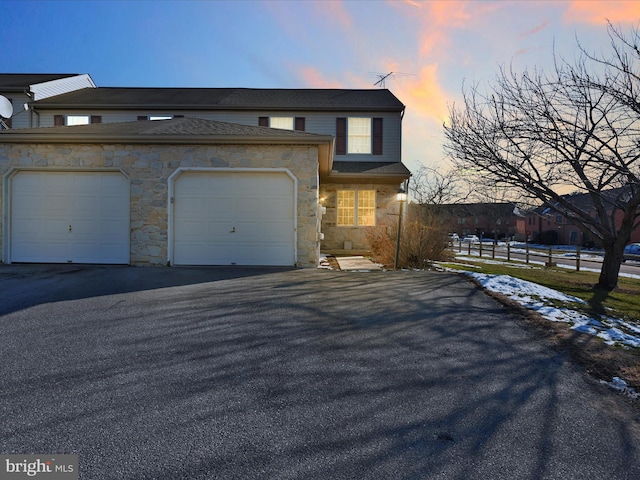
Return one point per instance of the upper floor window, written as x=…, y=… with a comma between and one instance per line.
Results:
x=359, y=135
x=158, y=117
x=69, y=120
x=285, y=123
x=78, y=120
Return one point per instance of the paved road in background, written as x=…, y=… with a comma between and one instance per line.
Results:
x=178, y=373
x=588, y=260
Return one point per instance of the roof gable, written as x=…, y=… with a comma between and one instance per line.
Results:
x=18, y=82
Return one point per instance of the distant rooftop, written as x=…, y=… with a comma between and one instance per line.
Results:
x=18, y=82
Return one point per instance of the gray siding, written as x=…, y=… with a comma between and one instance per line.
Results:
x=316, y=122
x=20, y=118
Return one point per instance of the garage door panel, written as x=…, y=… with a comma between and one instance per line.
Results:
x=242, y=211
x=80, y=217
x=55, y=205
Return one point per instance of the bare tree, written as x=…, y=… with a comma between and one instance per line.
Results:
x=432, y=186
x=541, y=135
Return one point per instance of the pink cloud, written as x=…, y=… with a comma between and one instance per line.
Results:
x=313, y=78
x=536, y=29
x=586, y=11
x=424, y=94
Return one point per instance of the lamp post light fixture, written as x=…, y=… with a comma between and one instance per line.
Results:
x=401, y=197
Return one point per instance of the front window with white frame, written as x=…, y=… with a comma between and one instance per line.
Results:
x=359, y=135
x=356, y=208
x=285, y=123
x=78, y=120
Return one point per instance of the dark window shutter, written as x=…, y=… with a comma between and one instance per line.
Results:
x=299, y=124
x=341, y=136
x=142, y=117
x=263, y=121
x=96, y=118
x=58, y=120
x=377, y=136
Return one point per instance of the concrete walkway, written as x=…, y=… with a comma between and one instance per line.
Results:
x=357, y=263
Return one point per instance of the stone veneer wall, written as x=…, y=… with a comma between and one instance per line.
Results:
x=334, y=236
x=149, y=166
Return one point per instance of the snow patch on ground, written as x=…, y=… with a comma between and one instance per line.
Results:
x=621, y=386
x=545, y=301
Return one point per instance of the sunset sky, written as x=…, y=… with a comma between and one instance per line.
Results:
x=433, y=46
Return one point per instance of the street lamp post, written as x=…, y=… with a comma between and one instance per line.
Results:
x=401, y=197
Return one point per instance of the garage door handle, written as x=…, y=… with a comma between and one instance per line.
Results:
x=69, y=227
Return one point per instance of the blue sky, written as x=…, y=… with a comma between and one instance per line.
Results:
x=435, y=45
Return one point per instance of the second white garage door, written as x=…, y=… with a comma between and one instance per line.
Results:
x=234, y=218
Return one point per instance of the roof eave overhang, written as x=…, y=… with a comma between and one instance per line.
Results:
x=204, y=107
x=156, y=139
x=365, y=178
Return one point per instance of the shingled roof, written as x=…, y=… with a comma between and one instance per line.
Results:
x=177, y=131
x=164, y=131
x=225, y=99
x=363, y=172
x=18, y=82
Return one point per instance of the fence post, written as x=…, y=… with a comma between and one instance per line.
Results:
x=480, y=248
x=508, y=252
x=577, y=258
x=527, y=257
x=469, y=252
x=493, y=250
x=550, y=261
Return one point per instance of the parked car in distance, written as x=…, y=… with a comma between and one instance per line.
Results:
x=454, y=237
x=631, y=252
x=471, y=239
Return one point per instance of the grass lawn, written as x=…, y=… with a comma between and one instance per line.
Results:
x=623, y=302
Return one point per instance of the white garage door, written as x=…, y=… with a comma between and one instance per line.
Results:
x=70, y=217
x=234, y=218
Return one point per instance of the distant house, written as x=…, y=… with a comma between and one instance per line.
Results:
x=199, y=176
x=549, y=226
x=486, y=220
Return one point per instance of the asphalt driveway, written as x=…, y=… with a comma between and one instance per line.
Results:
x=187, y=373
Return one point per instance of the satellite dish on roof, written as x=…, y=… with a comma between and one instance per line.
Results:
x=6, y=109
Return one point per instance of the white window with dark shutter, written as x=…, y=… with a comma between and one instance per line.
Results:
x=359, y=135
x=78, y=120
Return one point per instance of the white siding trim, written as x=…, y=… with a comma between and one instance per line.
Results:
x=62, y=85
